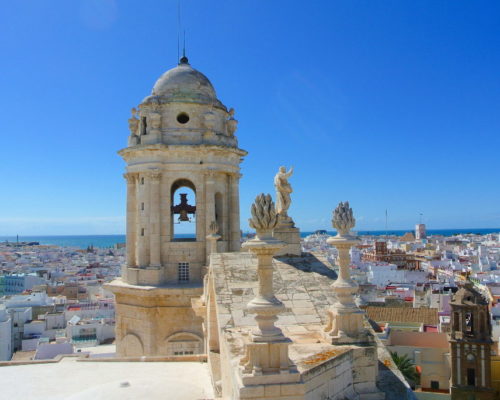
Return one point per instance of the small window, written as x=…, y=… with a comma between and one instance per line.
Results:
x=183, y=118
x=435, y=385
x=142, y=181
x=471, y=377
x=142, y=231
x=183, y=272
x=144, y=126
x=469, y=323
x=142, y=206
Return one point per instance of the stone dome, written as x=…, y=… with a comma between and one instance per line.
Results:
x=184, y=84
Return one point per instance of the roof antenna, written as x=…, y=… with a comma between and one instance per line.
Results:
x=178, y=26
x=386, y=233
x=184, y=59
x=184, y=46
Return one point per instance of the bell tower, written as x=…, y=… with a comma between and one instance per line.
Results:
x=183, y=168
x=470, y=346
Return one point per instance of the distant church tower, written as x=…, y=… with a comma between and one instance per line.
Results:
x=183, y=167
x=470, y=346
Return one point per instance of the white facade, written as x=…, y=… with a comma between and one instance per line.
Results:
x=18, y=283
x=382, y=274
x=31, y=300
x=5, y=335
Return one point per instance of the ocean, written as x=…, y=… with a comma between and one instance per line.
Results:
x=106, y=241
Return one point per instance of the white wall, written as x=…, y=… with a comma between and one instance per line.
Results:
x=48, y=351
x=5, y=335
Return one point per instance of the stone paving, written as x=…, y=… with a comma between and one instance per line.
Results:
x=301, y=283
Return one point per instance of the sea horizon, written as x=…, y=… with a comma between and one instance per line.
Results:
x=107, y=241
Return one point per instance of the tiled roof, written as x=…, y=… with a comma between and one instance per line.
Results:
x=427, y=316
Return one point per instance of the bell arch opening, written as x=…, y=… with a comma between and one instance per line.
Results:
x=183, y=211
x=219, y=213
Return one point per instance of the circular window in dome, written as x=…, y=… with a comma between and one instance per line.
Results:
x=182, y=118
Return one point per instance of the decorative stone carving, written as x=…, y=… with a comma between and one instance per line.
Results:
x=133, y=122
x=268, y=351
x=343, y=220
x=155, y=121
x=133, y=125
x=345, y=319
x=154, y=175
x=212, y=237
x=264, y=217
x=265, y=305
x=231, y=123
x=283, y=191
x=213, y=228
x=286, y=230
x=210, y=120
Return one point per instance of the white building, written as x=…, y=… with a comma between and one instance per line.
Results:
x=18, y=283
x=5, y=334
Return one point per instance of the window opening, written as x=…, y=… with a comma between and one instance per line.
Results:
x=142, y=206
x=142, y=231
x=183, y=211
x=144, y=126
x=183, y=272
x=471, y=377
x=182, y=118
x=219, y=213
x=469, y=322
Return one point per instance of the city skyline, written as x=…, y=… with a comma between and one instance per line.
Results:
x=389, y=107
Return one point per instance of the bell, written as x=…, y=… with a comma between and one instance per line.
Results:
x=183, y=216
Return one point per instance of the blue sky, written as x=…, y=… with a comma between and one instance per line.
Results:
x=388, y=104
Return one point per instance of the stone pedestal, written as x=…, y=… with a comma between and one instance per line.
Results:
x=212, y=240
x=266, y=358
x=345, y=318
x=149, y=319
x=286, y=232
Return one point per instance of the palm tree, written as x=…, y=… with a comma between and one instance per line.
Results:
x=406, y=366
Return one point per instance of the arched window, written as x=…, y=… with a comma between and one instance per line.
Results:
x=219, y=210
x=183, y=343
x=183, y=210
x=456, y=321
x=469, y=322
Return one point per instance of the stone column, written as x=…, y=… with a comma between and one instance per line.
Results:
x=212, y=238
x=143, y=222
x=345, y=318
x=131, y=221
x=154, y=219
x=234, y=213
x=209, y=206
x=267, y=353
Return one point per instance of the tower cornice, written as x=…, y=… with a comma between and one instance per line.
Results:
x=131, y=152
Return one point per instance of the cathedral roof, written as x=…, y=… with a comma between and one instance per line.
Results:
x=184, y=83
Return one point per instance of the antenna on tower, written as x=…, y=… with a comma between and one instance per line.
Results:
x=184, y=59
x=184, y=46
x=386, y=233
x=178, y=28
